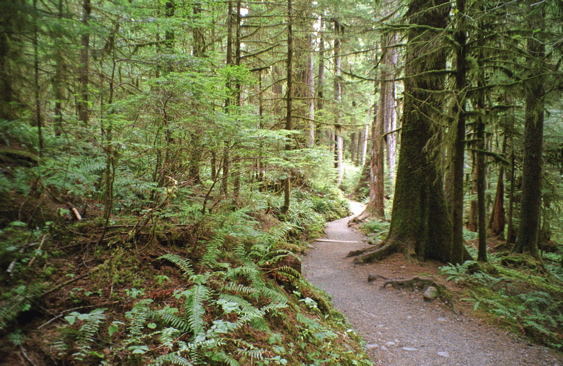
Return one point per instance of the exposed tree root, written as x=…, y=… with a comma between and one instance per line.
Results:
x=417, y=283
x=359, y=219
x=377, y=253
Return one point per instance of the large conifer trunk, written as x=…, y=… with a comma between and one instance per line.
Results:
x=530, y=212
x=420, y=224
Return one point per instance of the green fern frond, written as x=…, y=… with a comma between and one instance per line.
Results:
x=240, y=306
x=537, y=327
x=248, y=270
x=273, y=307
x=138, y=318
x=290, y=272
x=195, y=297
x=278, y=233
x=253, y=354
x=87, y=332
x=172, y=320
x=277, y=297
x=213, y=251
x=238, y=288
x=182, y=263
x=226, y=359
x=172, y=359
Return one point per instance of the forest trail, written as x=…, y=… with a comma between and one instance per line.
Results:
x=399, y=328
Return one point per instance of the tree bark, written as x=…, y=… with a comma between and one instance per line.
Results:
x=310, y=76
x=36, y=81
x=458, y=150
x=57, y=80
x=530, y=212
x=498, y=218
x=390, y=113
x=289, y=102
x=84, y=68
x=420, y=224
x=338, y=30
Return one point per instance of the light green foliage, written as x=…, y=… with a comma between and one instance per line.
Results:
x=533, y=313
x=376, y=230
x=195, y=309
x=352, y=175
x=85, y=336
x=182, y=263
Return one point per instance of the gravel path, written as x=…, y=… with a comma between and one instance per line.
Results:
x=399, y=328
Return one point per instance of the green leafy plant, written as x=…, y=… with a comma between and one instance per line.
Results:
x=375, y=230
x=84, y=337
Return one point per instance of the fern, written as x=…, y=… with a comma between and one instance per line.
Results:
x=212, y=253
x=87, y=331
x=290, y=272
x=248, y=350
x=138, y=318
x=172, y=359
x=182, y=263
x=240, y=306
x=226, y=359
x=238, y=288
x=278, y=233
x=195, y=297
x=173, y=320
x=250, y=271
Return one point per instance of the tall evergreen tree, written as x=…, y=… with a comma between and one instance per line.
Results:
x=421, y=225
x=530, y=213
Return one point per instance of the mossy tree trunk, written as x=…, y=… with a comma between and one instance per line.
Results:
x=421, y=225
x=458, y=149
x=530, y=213
x=83, y=107
x=289, y=102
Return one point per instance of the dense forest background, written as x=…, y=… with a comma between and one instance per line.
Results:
x=154, y=150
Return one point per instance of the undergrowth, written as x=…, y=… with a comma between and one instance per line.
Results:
x=224, y=291
x=527, y=301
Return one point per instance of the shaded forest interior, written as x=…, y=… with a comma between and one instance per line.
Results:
x=164, y=164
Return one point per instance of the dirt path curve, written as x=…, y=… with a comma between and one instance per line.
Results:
x=399, y=328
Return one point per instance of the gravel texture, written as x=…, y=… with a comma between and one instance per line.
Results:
x=399, y=328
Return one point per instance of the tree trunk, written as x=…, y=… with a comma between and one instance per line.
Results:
x=530, y=215
x=84, y=68
x=376, y=206
x=353, y=147
x=57, y=80
x=36, y=81
x=363, y=145
x=198, y=34
x=289, y=102
x=321, y=74
x=6, y=54
x=458, y=150
x=498, y=217
x=390, y=113
x=338, y=30
x=420, y=225
x=510, y=236
x=480, y=168
x=310, y=76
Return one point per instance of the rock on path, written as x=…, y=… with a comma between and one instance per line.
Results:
x=402, y=330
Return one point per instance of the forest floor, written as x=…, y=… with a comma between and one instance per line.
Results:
x=399, y=328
